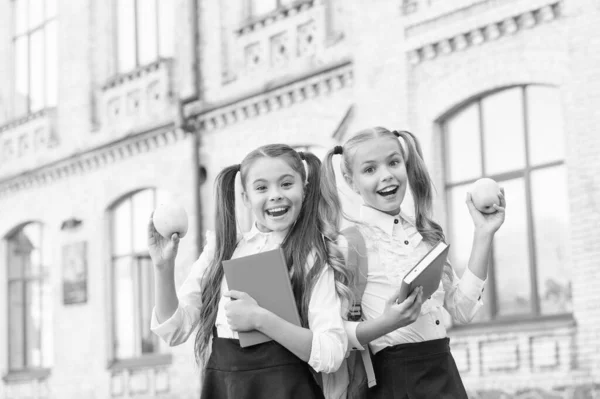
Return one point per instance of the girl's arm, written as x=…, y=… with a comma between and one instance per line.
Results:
x=463, y=298
x=396, y=315
x=175, y=314
x=323, y=346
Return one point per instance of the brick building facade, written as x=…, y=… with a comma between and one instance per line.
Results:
x=153, y=98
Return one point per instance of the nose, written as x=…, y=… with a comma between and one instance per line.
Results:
x=275, y=196
x=385, y=174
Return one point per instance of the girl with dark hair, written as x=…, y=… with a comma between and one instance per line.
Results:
x=411, y=358
x=283, y=195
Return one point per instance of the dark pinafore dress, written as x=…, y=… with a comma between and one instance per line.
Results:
x=423, y=370
x=263, y=371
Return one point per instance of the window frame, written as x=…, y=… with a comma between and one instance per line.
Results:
x=523, y=173
x=136, y=50
x=27, y=33
x=157, y=357
x=38, y=278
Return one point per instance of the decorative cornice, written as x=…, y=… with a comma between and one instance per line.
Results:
x=276, y=15
x=274, y=99
x=29, y=117
x=135, y=74
x=506, y=27
x=91, y=160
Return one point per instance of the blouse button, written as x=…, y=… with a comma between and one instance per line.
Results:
x=395, y=221
x=405, y=242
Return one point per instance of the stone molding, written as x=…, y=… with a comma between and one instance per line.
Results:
x=486, y=33
x=262, y=103
x=94, y=159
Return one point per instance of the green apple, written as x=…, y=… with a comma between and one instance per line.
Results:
x=170, y=217
x=485, y=193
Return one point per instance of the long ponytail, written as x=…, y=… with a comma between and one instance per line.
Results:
x=226, y=234
x=421, y=187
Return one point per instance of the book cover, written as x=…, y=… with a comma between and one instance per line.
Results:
x=265, y=277
x=426, y=273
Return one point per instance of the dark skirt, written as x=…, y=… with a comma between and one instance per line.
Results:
x=264, y=371
x=417, y=371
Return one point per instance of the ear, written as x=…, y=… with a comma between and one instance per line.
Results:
x=246, y=200
x=351, y=183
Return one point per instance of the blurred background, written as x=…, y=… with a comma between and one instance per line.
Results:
x=109, y=107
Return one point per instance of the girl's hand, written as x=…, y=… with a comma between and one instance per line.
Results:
x=487, y=223
x=242, y=311
x=404, y=313
x=162, y=250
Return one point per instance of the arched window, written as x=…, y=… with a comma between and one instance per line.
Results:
x=29, y=301
x=132, y=275
x=514, y=136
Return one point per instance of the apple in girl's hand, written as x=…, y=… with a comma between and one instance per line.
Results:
x=170, y=217
x=485, y=193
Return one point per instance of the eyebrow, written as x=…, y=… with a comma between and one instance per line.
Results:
x=390, y=155
x=260, y=180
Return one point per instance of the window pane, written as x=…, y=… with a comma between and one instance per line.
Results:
x=36, y=13
x=21, y=76
x=166, y=15
x=126, y=35
x=16, y=325
x=551, y=222
x=51, y=63
x=121, y=229
x=147, y=31
x=545, y=123
x=260, y=7
x=460, y=238
x=143, y=203
x=15, y=261
x=146, y=273
x=50, y=9
x=511, y=254
x=20, y=16
x=47, y=341
x=463, y=145
x=31, y=239
x=504, y=140
x=37, y=70
x=124, y=305
x=33, y=324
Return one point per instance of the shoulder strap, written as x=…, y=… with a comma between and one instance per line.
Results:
x=358, y=262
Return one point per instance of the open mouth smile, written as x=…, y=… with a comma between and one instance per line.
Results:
x=388, y=191
x=277, y=212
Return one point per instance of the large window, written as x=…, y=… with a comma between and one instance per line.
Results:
x=514, y=136
x=133, y=278
x=144, y=32
x=29, y=299
x=35, y=55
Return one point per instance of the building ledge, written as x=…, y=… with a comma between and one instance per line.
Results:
x=26, y=375
x=146, y=361
x=283, y=12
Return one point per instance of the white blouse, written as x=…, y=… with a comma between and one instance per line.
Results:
x=394, y=245
x=329, y=341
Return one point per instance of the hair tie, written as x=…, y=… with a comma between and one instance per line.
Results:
x=238, y=167
x=302, y=157
x=395, y=133
x=338, y=149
